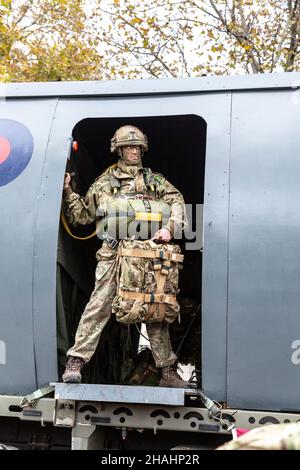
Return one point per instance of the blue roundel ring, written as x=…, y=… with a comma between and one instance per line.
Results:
x=16, y=147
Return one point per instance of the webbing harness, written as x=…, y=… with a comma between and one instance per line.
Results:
x=162, y=263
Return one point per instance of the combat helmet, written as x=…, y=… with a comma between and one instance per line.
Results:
x=128, y=135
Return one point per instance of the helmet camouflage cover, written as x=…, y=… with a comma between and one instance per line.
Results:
x=128, y=135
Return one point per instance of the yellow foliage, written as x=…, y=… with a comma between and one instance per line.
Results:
x=135, y=21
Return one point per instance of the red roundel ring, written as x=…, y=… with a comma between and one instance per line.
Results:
x=16, y=147
x=4, y=149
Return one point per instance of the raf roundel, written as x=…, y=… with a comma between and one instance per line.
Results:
x=16, y=147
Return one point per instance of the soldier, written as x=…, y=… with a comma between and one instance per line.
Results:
x=129, y=179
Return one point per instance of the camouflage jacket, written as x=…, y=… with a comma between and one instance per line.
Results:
x=267, y=437
x=84, y=210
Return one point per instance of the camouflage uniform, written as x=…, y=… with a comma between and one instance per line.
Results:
x=271, y=437
x=98, y=310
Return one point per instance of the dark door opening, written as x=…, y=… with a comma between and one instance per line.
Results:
x=177, y=147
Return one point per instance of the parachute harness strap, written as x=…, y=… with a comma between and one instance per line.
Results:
x=156, y=254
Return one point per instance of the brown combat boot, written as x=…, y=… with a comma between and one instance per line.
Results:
x=73, y=368
x=170, y=378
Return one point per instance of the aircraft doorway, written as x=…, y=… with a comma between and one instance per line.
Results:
x=177, y=146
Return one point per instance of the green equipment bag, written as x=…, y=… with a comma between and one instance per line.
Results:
x=128, y=217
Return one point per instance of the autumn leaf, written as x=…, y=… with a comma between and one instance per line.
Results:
x=135, y=21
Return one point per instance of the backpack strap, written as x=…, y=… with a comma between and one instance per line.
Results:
x=162, y=260
x=114, y=183
x=156, y=254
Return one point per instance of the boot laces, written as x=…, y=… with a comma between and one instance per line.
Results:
x=74, y=364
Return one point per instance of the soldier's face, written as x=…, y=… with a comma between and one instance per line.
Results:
x=131, y=154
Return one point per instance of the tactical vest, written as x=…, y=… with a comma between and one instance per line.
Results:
x=147, y=282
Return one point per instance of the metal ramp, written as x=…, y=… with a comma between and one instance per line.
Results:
x=122, y=394
x=90, y=409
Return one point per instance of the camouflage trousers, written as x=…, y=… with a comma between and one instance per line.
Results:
x=98, y=311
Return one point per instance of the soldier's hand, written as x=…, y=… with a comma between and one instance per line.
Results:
x=163, y=235
x=67, y=180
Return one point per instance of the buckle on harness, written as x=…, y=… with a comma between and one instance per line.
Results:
x=112, y=242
